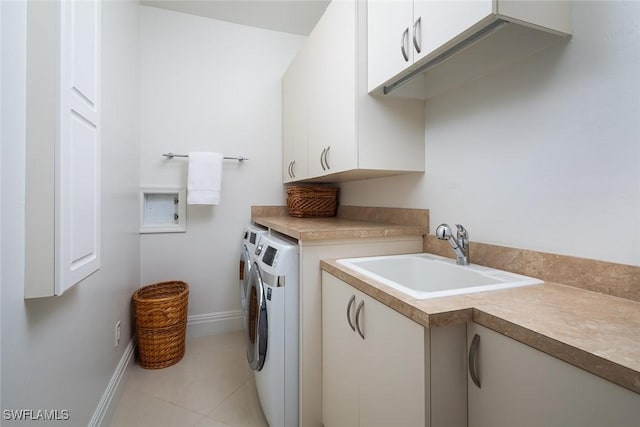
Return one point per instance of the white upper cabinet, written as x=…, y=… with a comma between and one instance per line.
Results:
x=332, y=110
x=422, y=48
x=333, y=130
x=63, y=146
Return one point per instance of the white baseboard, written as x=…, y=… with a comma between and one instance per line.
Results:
x=110, y=396
x=200, y=325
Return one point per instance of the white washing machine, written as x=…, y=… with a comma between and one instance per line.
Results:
x=250, y=237
x=272, y=333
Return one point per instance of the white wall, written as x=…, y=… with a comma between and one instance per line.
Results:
x=209, y=85
x=543, y=155
x=59, y=353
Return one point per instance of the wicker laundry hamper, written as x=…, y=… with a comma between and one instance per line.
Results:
x=161, y=323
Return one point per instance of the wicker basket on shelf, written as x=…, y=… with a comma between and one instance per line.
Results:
x=312, y=202
x=161, y=323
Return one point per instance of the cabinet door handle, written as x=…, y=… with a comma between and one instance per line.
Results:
x=293, y=169
x=326, y=157
x=403, y=43
x=351, y=301
x=322, y=159
x=473, y=359
x=360, y=307
x=417, y=41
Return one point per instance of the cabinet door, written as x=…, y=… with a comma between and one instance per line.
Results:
x=525, y=387
x=439, y=22
x=392, y=367
x=332, y=90
x=340, y=349
x=78, y=162
x=387, y=22
x=295, y=116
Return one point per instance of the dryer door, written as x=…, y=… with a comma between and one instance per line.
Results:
x=257, y=331
x=245, y=269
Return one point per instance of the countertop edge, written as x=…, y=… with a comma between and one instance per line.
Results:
x=358, y=230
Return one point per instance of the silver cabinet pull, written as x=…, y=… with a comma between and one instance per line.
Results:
x=360, y=307
x=403, y=43
x=293, y=169
x=351, y=301
x=322, y=159
x=473, y=358
x=326, y=157
x=289, y=170
x=417, y=41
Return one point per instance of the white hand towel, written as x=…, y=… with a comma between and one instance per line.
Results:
x=205, y=178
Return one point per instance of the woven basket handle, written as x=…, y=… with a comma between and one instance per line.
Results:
x=164, y=313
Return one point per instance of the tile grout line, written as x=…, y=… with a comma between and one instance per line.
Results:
x=230, y=395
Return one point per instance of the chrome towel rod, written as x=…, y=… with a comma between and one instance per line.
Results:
x=172, y=155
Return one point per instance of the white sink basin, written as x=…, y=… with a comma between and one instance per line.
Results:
x=424, y=276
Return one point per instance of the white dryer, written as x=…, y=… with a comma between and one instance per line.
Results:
x=272, y=333
x=250, y=238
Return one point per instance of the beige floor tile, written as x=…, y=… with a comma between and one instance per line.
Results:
x=140, y=410
x=209, y=422
x=213, y=375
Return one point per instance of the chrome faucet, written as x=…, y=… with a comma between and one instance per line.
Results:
x=460, y=245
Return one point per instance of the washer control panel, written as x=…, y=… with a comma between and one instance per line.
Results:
x=270, y=256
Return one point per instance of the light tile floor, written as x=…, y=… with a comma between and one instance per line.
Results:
x=212, y=386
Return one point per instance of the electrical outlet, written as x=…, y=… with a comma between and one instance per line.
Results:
x=117, y=332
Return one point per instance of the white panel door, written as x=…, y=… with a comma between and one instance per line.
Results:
x=332, y=89
x=78, y=145
x=392, y=367
x=341, y=349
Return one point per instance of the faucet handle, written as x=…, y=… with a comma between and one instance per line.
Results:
x=463, y=235
x=462, y=232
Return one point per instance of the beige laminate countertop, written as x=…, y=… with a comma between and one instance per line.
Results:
x=596, y=332
x=335, y=228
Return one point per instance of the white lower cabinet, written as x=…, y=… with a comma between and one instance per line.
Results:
x=373, y=361
x=524, y=387
x=311, y=252
x=382, y=369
